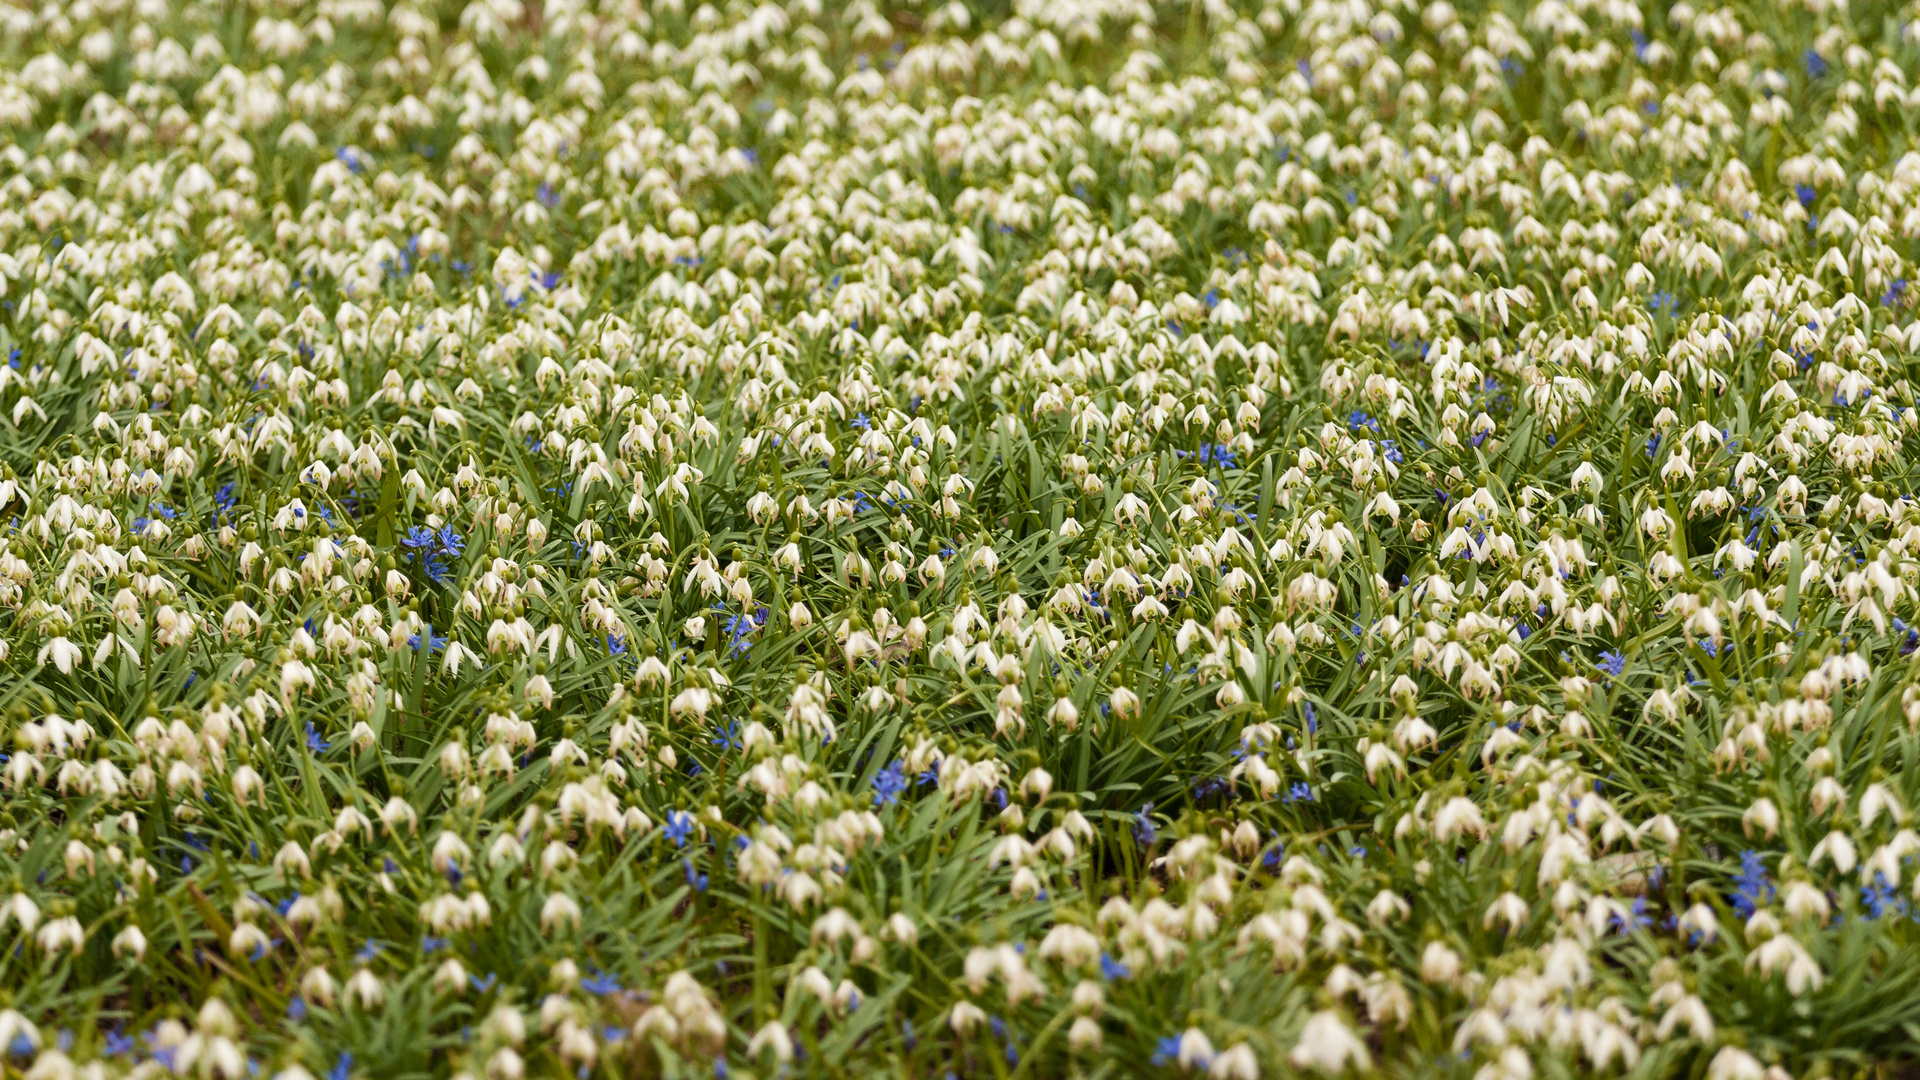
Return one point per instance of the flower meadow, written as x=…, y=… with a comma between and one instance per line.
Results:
x=1107, y=538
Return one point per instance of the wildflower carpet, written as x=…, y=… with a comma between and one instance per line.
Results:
x=1231, y=538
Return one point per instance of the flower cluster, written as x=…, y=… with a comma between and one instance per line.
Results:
x=1065, y=537
x=430, y=551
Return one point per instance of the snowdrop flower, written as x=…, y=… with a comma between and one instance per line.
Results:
x=130, y=941
x=1326, y=1045
x=61, y=933
x=63, y=654
x=772, y=1037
